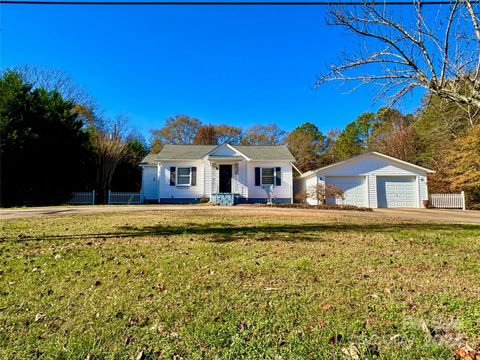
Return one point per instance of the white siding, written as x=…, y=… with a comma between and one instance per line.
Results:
x=423, y=189
x=372, y=191
x=224, y=151
x=240, y=180
x=310, y=184
x=181, y=192
x=371, y=166
x=283, y=191
x=207, y=178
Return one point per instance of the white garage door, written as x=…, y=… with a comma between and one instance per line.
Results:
x=396, y=191
x=354, y=188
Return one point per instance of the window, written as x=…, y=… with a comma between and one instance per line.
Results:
x=268, y=176
x=183, y=176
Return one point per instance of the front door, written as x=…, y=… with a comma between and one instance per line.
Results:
x=225, y=178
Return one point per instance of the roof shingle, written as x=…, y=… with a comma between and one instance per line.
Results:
x=195, y=152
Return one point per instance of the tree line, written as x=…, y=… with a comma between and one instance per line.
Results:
x=54, y=141
x=442, y=135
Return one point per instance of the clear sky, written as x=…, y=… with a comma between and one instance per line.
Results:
x=234, y=65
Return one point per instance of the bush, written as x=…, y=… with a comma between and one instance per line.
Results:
x=203, y=200
x=300, y=197
x=321, y=192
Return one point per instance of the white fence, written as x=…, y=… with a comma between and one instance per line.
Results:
x=124, y=198
x=447, y=201
x=82, y=198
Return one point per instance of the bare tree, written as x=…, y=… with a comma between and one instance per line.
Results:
x=269, y=134
x=321, y=192
x=437, y=50
x=58, y=80
x=111, y=149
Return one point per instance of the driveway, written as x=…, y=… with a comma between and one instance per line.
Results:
x=434, y=215
x=438, y=215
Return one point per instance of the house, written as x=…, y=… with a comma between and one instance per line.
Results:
x=372, y=180
x=224, y=174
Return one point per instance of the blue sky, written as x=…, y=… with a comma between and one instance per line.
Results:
x=234, y=65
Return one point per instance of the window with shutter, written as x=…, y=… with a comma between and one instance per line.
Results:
x=183, y=176
x=268, y=176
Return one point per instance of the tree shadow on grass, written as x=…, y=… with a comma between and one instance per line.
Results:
x=218, y=232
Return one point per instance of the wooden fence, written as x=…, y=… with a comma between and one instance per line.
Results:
x=447, y=201
x=116, y=198
x=82, y=198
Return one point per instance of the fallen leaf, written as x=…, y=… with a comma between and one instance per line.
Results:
x=127, y=340
x=467, y=353
x=425, y=329
x=351, y=352
x=396, y=337
x=328, y=307
x=140, y=356
x=39, y=317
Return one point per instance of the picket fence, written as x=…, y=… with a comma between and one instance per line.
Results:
x=447, y=201
x=116, y=198
x=82, y=198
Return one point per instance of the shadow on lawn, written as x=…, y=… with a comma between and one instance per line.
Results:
x=218, y=232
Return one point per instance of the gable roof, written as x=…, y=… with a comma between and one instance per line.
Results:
x=265, y=152
x=197, y=152
x=361, y=156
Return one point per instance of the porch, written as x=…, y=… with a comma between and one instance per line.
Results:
x=228, y=179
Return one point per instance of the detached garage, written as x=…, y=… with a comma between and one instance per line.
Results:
x=371, y=180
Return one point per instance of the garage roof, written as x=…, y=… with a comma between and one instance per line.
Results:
x=360, y=157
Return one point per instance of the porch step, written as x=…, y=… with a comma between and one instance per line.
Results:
x=226, y=199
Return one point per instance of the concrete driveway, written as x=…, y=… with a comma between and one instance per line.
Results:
x=438, y=215
x=434, y=215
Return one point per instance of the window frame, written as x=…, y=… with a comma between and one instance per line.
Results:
x=183, y=176
x=273, y=176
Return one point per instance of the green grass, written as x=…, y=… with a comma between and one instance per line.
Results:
x=248, y=283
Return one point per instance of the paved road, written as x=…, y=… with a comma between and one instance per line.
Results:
x=438, y=215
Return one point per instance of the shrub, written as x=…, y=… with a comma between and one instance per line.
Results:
x=300, y=197
x=321, y=192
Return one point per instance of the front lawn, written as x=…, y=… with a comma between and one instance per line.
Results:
x=245, y=283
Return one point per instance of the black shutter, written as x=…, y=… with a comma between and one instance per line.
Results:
x=278, y=176
x=194, y=175
x=172, y=175
x=257, y=176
